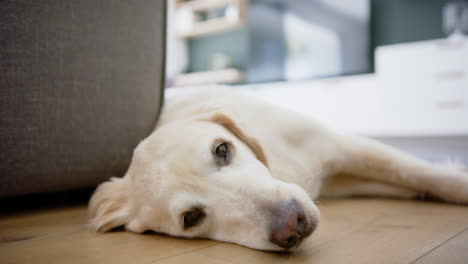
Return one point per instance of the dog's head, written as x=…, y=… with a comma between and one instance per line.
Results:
x=205, y=178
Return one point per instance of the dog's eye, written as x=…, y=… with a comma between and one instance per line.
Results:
x=222, y=153
x=193, y=217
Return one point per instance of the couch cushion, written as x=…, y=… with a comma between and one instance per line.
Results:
x=80, y=85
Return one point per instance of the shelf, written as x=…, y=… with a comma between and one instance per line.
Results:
x=212, y=26
x=230, y=75
x=204, y=5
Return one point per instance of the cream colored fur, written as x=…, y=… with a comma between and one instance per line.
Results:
x=278, y=155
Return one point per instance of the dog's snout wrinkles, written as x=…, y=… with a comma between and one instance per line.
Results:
x=289, y=224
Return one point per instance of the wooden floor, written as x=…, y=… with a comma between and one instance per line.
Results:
x=351, y=231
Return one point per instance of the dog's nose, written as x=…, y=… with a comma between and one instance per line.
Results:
x=289, y=224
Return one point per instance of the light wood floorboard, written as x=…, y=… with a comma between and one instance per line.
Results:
x=455, y=250
x=350, y=231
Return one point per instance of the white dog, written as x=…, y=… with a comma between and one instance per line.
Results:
x=229, y=167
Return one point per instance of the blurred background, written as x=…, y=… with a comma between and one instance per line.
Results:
x=273, y=40
x=394, y=70
x=268, y=40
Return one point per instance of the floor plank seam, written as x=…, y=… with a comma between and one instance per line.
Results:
x=185, y=252
x=39, y=237
x=217, y=258
x=438, y=246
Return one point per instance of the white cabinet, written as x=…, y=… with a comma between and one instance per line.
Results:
x=426, y=85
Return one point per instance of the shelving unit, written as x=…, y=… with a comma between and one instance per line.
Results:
x=214, y=25
x=208, y=27
x=204, y=5
x=230, y=75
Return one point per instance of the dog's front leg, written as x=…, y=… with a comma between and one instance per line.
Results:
x=372, y=160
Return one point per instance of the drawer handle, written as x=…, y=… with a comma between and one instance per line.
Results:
x=450, y=104
x=450, y=76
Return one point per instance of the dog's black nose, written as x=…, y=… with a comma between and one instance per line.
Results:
x=289, y=224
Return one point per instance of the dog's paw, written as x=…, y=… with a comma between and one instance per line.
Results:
x=456, y=190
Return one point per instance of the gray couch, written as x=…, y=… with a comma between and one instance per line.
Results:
x=81, y=84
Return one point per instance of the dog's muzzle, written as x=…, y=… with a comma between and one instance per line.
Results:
x=289, y=224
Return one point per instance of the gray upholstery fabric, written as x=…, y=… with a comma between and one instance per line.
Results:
x=80, y=85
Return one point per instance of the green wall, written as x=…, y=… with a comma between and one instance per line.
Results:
x=397, y=21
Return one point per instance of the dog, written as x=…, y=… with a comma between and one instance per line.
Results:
x=230, y=167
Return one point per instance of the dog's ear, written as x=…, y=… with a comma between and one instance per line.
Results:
x=251, y=142
x=109, y=206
